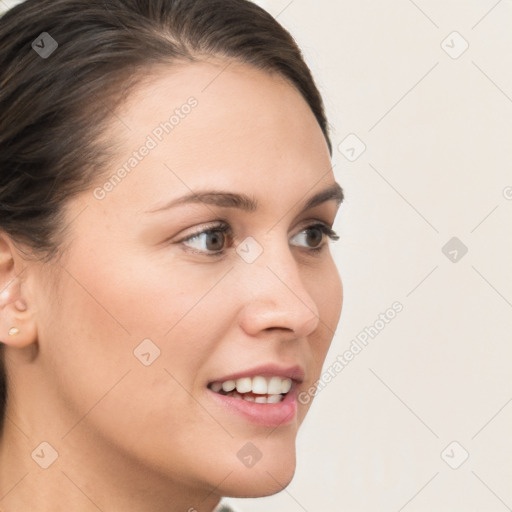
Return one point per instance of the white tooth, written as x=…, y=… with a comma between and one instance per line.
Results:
x=216, y=386
x=249, y=398
x=259, y=385
x=228, y=385
x=286, y=385
x=236, y=395
x=244, y=385
x=274, y=399
x=261, y=399
x=274, y=386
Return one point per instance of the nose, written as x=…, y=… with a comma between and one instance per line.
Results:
x=276, y=295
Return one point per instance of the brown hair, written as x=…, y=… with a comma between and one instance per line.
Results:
x=53, y=109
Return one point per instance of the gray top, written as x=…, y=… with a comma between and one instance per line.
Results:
x=223, y=507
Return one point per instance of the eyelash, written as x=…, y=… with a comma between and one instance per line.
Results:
x=226, y=229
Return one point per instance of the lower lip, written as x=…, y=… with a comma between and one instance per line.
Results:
x=266, y=415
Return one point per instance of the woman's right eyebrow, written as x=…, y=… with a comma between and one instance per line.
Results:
x=245, y=202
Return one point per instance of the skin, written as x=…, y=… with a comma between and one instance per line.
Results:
x=149, y=438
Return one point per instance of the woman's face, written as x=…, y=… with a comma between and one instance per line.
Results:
x=153, y=312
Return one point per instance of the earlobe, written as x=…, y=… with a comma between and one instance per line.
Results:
x=16, y=324
x=17, y=328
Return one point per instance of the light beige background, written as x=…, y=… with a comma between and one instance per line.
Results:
x=437, y=164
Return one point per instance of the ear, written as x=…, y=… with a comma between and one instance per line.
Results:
x=17, y=325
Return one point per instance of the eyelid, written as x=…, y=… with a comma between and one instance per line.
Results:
x=310, y=223
x=216, y=226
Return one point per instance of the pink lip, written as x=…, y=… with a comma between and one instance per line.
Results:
x=296, y=373
x=266, y=415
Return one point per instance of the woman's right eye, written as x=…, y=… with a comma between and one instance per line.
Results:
x=210, y=242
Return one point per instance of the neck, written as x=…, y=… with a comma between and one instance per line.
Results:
x=83, y=474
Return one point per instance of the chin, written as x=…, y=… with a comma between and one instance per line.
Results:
x=270, y=475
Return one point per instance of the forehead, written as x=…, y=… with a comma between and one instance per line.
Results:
x=217, y=122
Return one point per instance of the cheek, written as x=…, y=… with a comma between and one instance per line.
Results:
x=92, y=370
x=109, y=310
x=327, y=291
x=134, y=294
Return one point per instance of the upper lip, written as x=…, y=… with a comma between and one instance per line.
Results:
x=295, y=372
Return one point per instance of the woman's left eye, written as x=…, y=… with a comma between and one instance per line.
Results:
x=319, y=231
x=211, y=241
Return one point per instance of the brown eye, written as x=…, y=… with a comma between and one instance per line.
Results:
x=314, y=236
x=215, y=240
x=210, y=242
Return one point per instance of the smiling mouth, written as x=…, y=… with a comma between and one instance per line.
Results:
x=258, y=389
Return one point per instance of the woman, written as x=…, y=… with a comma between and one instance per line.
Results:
x=166, y=285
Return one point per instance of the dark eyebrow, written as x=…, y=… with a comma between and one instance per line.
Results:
x=248, y=203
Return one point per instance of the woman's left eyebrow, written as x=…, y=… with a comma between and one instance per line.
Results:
x=245, y=202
